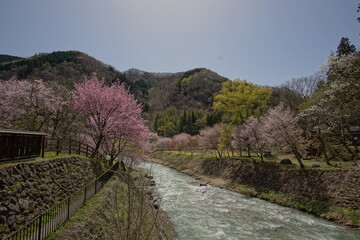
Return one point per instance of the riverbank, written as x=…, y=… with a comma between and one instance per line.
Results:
x=329, y=194
x=121, y=210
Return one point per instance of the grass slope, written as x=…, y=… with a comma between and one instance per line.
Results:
x=121, y=210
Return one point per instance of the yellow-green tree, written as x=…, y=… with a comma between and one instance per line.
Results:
x=239, y=100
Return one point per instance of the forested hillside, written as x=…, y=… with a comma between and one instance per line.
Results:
x=160, y=93
x=64, y=67
x=7, y=58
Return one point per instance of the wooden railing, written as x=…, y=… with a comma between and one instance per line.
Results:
x=19, y=145
x=69, y=146
x=16, y=145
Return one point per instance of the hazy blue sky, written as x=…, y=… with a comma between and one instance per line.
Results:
x=263, y=41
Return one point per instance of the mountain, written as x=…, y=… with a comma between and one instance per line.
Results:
x=192, y=89
x=183, y=91
x=65, y=67
x=8, y=58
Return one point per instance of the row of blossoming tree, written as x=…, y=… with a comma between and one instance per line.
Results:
x=278, y=127
x=322, y=122
x=106, y=117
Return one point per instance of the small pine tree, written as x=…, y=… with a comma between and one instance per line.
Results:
x=345, y=47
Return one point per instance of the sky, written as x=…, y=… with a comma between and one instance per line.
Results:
x=266, y=42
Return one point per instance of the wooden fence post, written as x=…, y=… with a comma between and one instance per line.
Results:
x=43, y=146
x=40, y=226
x=12, y=146
x=58, y=148
x=68, y=207
x=70, y=146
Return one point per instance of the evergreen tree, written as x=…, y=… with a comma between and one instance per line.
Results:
x=345, y=47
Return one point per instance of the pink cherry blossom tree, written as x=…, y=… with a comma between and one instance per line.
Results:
x=193, y=144
x=251, y=135
x=111, y=115
x=181, y=141
x=28, y=105
x=281, y=128
x=210, y=139
x=162, y=143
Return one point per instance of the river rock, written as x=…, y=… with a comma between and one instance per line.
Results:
x=203, y=184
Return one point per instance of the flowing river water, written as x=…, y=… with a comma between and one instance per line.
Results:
x=208, y=212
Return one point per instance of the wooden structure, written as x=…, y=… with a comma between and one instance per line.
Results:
x=15, y=145
x=69, y=146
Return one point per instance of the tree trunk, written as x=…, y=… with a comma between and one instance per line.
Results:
x=297, y=155
x=97, y=146
x=322, y=141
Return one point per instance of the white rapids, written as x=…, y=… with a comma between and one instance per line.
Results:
x=213, y=213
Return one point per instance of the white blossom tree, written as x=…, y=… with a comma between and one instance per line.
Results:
x=338, y=109
x=281, y=128
x=251, y=135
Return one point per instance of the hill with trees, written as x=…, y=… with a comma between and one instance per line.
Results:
x=158, y=92
x=63, y=67
x=8, y=58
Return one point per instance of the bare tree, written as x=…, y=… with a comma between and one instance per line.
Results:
x=307, y=86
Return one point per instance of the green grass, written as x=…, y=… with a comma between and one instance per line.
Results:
x=330, y=212
x=275, y=159
x=120, y=210
x=82, y=214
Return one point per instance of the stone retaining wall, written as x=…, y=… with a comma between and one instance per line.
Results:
x=337, y=186
x=28, y=189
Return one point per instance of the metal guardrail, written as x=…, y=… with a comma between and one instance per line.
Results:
x=44, y=224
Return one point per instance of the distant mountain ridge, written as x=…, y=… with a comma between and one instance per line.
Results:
x=8, y=58
x=193, y=89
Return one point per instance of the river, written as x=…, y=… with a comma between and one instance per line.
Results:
x=206, y=213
